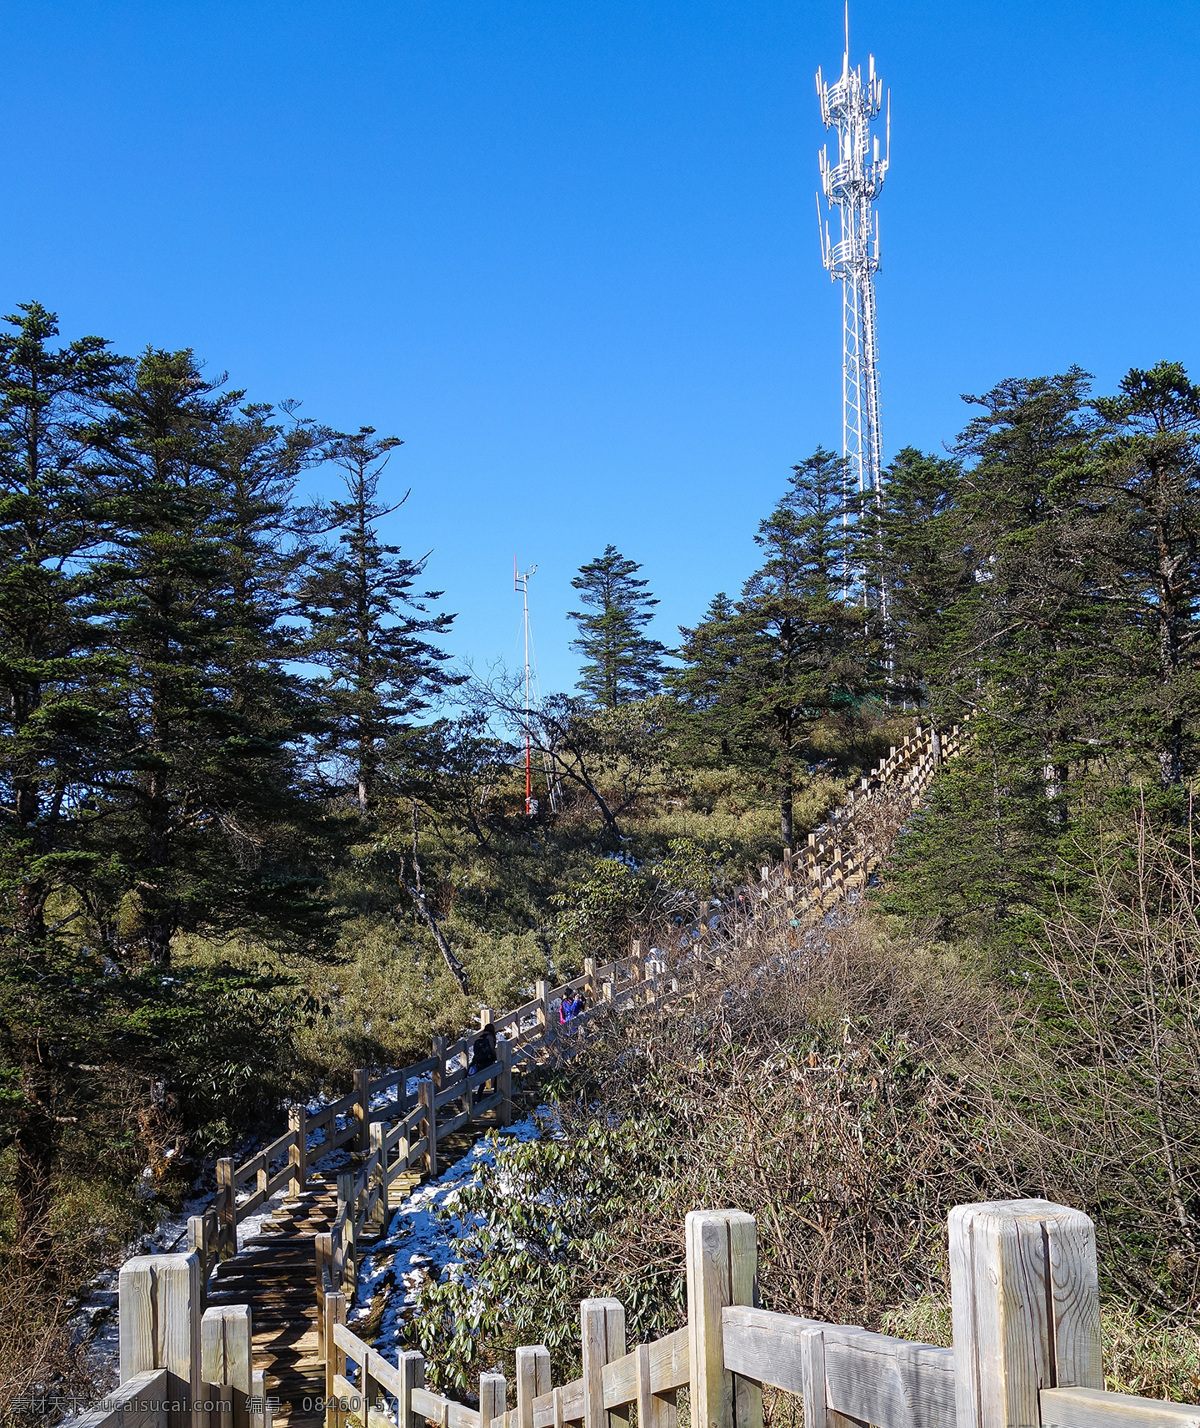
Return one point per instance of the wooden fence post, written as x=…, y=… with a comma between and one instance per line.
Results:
x=542, y=992
x=160, y=1300
x=504, y=1052
x=362, y=1109
x=1026, y=1308
x=485, y=1017
x=335, y=1358
x=426, y=1095
x=226, y=1358
x=493, y=1397
x=533, y=1380
x=298, y=1150
x=439, y=1055
x=379, y=1175
x=227, y=1226
x=722, y=1269
x=589, y=985
x=655, y=1410
x=411, y=1364
x=323, y=1256
x=602, y=1331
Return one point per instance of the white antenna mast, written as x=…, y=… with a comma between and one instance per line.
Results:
x=851, y=186
x=521, y=581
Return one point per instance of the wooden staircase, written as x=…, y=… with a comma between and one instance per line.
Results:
x=273, y=1271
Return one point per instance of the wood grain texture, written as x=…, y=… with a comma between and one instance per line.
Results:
x=1026, y=1309
x=411, y=1368
x=533, y=1380
x=1094, y=1408
x=602, y=1338
x=722, y=1270
x=138, y=1403
x=493, y=1397
x=437, y=1409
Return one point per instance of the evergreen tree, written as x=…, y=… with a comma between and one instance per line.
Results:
x=366, y=625
x=49, y=523
x=1151, y=464
x=197, y=704
x=621, y=663
x=922, y=557
x=797, y=645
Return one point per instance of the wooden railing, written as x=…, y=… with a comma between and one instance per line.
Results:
x=392, y=1124
x=1027, y=1351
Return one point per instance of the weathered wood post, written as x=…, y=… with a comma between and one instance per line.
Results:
x=493, y=1397
x=504, y=1054
x=655, y=1410
x=1026, y=1309
x=426, y=1096
x=226, y=1360
x=439, y=1055
x=160, y=1303
x=533, y=1380
x=346, y=1212
x=362, y=1109
x=323, y=1255
x=298, y=1150
x=485, y=1017
x=378, y=1185
x=542, y=992
x=335, y=1357
x=199, y=1237
x=589, y=982
x=226, y=1209
x=411, y=1365
x=722, y=1269
x=602, y=1331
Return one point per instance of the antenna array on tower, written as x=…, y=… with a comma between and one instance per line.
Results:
x=851, y=186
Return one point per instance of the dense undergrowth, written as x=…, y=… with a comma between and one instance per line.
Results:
x=848, y=1085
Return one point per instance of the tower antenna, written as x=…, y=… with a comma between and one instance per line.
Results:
x=521, y=581
x=851, y=186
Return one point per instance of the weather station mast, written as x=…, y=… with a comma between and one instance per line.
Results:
x=851, y=186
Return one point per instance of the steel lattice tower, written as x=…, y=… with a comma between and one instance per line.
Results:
x=851, y=187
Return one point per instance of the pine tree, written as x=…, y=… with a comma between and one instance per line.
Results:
x=49, y=523
x=199, y=708
x=923, y=558
x=621, y=663
x=366, y=624
x=1151, y=465
x=797, y=646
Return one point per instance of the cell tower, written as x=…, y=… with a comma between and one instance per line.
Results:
x=851, y=187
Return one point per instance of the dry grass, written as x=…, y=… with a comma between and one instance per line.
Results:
x=1151, y=1358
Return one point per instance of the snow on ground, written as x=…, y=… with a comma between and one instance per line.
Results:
x=420, y=1245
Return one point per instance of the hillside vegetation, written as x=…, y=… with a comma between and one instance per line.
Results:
x=257, y=831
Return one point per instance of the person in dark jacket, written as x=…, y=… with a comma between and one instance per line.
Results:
x=483, y=1053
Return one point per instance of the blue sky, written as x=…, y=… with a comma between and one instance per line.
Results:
x=568, y=251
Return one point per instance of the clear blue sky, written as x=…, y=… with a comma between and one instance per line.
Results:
x=568, y=251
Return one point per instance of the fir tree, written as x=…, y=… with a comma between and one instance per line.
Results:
x=197, y=701
x=922, y=556
x=49, y=523
x=367, y=626
x=621, y=663
x=1151, y=464
x=797, y=645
